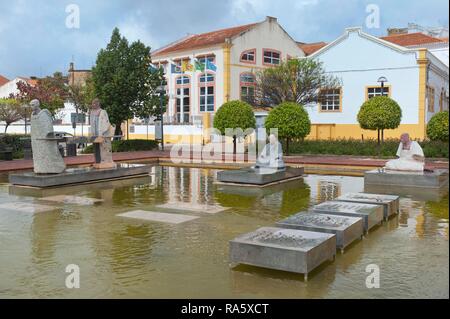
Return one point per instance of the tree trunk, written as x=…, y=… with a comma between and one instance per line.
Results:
x=287, y=146
x=378, y=131
x=118, y=130
x=6, y=126
x=234, y=144
x=382, y=136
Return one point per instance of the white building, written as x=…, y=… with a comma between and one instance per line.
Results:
x=10, y=87
x=416, y=79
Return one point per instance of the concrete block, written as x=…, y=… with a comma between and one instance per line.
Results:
x=389, y=202
x=157, y=217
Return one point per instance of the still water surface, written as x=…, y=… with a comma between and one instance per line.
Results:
x=123, y=258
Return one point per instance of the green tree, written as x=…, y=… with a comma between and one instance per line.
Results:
x=234, y=115
x=10, y=111
x=291, y=120
x=380, y=113
x=123, y=81
x=437, y=127
x=295, y=80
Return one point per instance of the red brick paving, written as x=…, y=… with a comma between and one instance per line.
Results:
x=147, y=155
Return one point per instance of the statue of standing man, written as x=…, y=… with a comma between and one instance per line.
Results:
x=46, y=157
x=101, y=131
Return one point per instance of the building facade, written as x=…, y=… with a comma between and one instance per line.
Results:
x=416, y=79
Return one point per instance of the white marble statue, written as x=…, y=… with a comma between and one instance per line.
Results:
x=46, y=157
x=410, y=156
x=271, y=155
x=101, y=131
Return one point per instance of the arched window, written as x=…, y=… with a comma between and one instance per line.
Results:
x=248, y=56
x=183, y=98
x=206, y=92
x=247, y=87
x=271, y=57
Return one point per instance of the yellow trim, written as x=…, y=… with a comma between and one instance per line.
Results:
x=422, y=61
x=331, y=111
x=226, y=71
x=375, y=87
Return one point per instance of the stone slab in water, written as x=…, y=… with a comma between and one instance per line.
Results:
x=157, y=216
x=389, y=202
x=26, y=207
x=78, y=175
x=347, y=229
x=435, y=180
x=291, y=250
x=372, y=215
x=69, y=199
x=248, y=176
x=199, y=208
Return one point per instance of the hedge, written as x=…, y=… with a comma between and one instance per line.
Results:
x=13, y=141
x=127, y=146
x=432, y=149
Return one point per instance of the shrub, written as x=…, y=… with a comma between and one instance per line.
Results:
x=431, y=149
x=127, y=146
x=291, y=120
x=14, y=141
x=234, y=115
x=379, y=113
x=437, y=128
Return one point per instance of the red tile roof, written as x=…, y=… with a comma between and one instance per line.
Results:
x=411, y=39
x=203, y=39
x=3, y=80
x=310, y=48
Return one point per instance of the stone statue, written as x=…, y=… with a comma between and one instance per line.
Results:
x=46, y=157
x=271, y=156
x=411, y=157
x=101, y=131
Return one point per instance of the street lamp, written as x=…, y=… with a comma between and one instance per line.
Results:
x=381, y=80
x=161, y=90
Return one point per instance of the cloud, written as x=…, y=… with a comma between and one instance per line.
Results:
x=35, y=41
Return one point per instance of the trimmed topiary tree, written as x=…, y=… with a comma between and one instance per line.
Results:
x=380, y=113
x=437, y=127
x=291, y=120
x=234, y=115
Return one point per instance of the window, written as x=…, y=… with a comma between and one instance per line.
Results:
x=271, y=57
x=183, y=80
x=249, y=56
x=441, y=100
x=330, y=100
x=202, y=59
x=206, y=89
x=430, y=97
x=377, y=91
x=247, y=85
x=183, y=99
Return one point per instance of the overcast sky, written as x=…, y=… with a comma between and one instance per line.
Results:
x=34, y=38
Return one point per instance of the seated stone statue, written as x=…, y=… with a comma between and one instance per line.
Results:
x=271, y=155
x=46, y=157
x=101, y=131
x=411, y=157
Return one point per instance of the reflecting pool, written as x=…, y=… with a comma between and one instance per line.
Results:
x=125, y=258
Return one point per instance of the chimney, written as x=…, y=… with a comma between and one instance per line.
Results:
x=271, y=19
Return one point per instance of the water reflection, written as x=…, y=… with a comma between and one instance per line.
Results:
x=127, y=258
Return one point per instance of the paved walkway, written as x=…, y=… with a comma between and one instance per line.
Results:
x=323, y=160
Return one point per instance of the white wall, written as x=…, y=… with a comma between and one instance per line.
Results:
x=359, y=62
x=266, y=35
x=10, y=88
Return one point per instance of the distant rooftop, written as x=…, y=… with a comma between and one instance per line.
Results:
x=3, y=80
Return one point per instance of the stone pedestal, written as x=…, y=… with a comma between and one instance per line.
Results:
x=389, y=202
x=429, y=180
x=347, y=229
x=258, y=177
x=79, y=175
x=372, y=215
x=291, y=250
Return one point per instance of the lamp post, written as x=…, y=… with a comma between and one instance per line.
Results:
x=382, y=80
x=161, y=91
